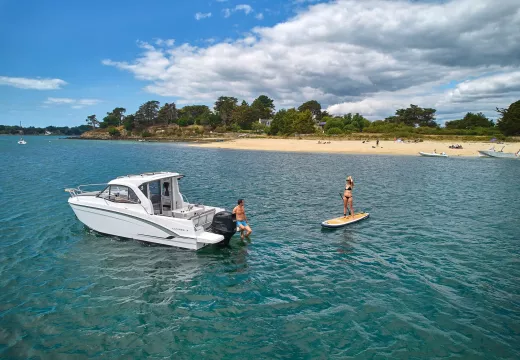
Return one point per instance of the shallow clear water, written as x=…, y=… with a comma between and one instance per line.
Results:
x=433, y=273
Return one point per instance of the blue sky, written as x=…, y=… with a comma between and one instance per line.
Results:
x=68, y=40
x=64, y=60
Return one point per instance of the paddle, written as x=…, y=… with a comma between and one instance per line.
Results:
x=342, y=199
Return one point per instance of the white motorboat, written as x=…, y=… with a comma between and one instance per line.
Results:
x=434, y=154
x=499, y=154
x=149, y=207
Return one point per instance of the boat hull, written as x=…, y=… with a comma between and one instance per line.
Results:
x=143, y=227
x=432, y=154
x=498, y=154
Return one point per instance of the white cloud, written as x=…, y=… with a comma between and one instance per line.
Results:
x=34, y=84
x=247, y=9
x=486, y=87
x=244, y=7
x=370, y=55
x=259, y=16
x=200, y=15
x=166, y=42
x=226, y=12
x=74, y=103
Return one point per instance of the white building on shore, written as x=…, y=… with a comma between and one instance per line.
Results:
x=266, y=122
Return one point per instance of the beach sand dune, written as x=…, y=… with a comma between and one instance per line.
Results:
x=358, y=147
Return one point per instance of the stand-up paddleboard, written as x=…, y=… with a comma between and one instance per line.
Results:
x=343, y=221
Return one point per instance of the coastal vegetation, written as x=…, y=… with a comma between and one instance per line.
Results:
x=228, y=115
x=55, y=130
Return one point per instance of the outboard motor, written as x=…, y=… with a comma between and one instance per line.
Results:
x=224, y=223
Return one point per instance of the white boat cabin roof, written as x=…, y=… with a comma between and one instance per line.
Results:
x=137, y=180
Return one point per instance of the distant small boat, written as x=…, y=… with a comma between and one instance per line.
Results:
x=432, y=154
x=21, y=141
x=499, y=154
x=47, y=133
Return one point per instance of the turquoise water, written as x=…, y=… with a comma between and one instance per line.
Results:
x=433, y=273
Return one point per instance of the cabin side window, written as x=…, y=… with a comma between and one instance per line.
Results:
x=144, y=190
x=121, y=194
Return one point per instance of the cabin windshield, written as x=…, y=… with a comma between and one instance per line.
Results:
x=120, y=194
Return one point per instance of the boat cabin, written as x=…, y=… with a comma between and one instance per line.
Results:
x=158, y=193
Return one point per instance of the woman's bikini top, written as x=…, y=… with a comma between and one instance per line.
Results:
x=348, y=188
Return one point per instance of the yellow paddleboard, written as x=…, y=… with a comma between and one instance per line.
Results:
x=342, y=221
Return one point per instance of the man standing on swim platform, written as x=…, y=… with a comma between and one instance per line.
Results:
x=240, y=212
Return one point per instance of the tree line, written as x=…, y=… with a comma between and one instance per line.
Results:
x=228, y=114
x=55, y=130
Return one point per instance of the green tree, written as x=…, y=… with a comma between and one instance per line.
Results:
x=259, y=128
x=359, y=122
x=332, y=123
x=304, y=123
x=224, y=107
x=109, y=120
x=244, y=116
x=129, y=122
x=280, y=125
x=119, y=112
x=195, y=114
x=167, y=114
x=314, y=107
x=470, y=121
x=334, y=131
x=509, y=123
x=92, y=121
x=347, y=119
x=112, y=131
x=214, y=120
x=147, y=114
x=414, y=115
x=264, y=106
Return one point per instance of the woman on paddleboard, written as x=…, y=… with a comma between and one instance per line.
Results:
x=347, y=197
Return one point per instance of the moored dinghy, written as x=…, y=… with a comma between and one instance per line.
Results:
x=434, y=154
x=149, y=207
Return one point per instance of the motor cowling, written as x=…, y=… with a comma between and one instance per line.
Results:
x=224, y=224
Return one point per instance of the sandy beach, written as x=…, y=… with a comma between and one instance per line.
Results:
x=358, y=147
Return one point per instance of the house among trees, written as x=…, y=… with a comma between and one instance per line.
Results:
x=265, y=122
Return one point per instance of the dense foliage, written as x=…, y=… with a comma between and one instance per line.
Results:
x=228, y=115
x=55, y=130
x=292, y=121
x=470, y=121
x=509, y=123
x=414, y=116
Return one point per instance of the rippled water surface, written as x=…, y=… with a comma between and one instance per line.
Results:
x=433, y=273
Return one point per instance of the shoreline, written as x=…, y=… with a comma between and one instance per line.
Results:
x=386, y=147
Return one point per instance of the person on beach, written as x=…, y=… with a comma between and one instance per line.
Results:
x=347, y=197
x=242, y=224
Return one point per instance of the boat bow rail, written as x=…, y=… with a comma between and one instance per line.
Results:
x=80, y=190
